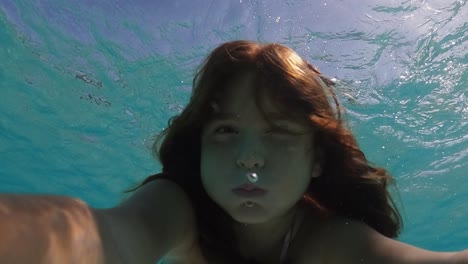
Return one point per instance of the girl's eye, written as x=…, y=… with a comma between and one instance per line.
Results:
x=279, y=130
x=224, y=130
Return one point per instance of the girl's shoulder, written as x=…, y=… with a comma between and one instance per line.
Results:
x=157, y=218
x=307, y=245
x=187, y=253
x=318, y=238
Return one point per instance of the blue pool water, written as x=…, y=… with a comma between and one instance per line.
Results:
x=85, y=85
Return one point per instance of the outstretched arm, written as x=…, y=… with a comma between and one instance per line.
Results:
x=57, y=230
x=48, y=229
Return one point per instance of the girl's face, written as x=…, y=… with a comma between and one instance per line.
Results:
x=239, y=140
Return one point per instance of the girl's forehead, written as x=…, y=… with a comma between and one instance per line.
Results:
x=245, y=96
x=239, y=108
x=244, y=99
x=244, y=90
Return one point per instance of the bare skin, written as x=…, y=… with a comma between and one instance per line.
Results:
x=265, y=245
x=56, y=230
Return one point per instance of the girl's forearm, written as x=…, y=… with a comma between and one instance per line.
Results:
x=48, y=229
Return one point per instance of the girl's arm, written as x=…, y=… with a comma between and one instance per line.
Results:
x=54, y=229
x=48, y=229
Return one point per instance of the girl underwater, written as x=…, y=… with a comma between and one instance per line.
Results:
x=260, y=167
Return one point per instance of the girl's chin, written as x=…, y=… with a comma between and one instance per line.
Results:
x=249, y=213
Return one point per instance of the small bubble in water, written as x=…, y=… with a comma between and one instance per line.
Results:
x=278, y=19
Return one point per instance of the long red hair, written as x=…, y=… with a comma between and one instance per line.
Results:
x=349, y=186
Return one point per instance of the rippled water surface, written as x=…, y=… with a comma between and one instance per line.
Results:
x=85, y=85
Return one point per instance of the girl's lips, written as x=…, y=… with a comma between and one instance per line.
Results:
x=249, y=191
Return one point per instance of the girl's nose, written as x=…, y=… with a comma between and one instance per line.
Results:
x=254, y=160
x=250, y=152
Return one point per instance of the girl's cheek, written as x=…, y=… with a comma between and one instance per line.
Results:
x=287, y=144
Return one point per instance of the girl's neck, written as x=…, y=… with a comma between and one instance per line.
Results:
x=257, y=240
